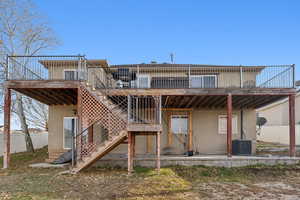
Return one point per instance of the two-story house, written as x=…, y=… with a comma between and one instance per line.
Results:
x=97, y=109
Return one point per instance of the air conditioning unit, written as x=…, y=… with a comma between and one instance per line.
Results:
x=241, y=147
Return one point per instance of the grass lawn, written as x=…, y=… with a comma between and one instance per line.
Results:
x=175, y=182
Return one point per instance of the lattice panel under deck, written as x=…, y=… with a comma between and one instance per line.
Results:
x=95, y=111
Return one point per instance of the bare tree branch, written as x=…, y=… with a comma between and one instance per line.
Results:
x=23, y=30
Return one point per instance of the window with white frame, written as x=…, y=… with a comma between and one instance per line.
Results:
x=179, y=124
x=203, y=81
x=70, y=129
x=143, y=81
x=70, y=74
x=222, y=124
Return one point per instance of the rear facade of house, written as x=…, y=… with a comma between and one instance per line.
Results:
x=142, y=110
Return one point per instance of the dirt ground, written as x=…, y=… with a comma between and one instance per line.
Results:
x=175, y=182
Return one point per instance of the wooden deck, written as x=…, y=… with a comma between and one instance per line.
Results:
x=54, y=92
x=61, y=92
x=203, y=91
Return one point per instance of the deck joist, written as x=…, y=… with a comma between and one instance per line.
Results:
x=61, y=92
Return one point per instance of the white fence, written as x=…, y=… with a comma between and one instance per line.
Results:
x=18, y=142
x=278, y=134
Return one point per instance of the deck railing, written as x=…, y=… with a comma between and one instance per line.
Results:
x=159, y=76
x=144, y=109
x=169, y=76
x=46, y=68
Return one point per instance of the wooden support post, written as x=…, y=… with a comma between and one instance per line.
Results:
x=158, y=151
x=149, y=143
x=292, y=124
x=133, y=144
x=170, y=134
x=78, y=140
x=91, y=134
x=229, y=125
x=190, y=144
x=6, y=135
x=130, y=153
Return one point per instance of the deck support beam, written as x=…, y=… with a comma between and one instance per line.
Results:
x=229, y=125
x=158, y=151
x=292, y=125
x=6, y=135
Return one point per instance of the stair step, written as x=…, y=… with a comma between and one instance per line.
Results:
x=100, y=150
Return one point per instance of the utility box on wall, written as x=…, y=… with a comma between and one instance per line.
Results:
x=241, y=147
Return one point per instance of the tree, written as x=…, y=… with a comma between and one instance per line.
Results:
x=24, y=31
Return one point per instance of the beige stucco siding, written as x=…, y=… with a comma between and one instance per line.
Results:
x=225, y=78
x=55, y=132
x=206, y=139
x=58, y=72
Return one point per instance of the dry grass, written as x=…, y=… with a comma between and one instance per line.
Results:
x=175, y=182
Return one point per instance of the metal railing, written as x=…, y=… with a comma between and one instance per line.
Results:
x=156, y=76
x=176, y=76
x=46, y=68
x=144, y=109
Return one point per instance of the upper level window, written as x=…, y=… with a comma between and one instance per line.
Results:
x=203, y=81
x=70, y=74
x=143, y=81
x=179, y=124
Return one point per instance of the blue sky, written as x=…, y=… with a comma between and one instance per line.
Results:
x=206, y=32
x=243, y=32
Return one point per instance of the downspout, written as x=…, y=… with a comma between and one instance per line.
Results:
x=242, y=129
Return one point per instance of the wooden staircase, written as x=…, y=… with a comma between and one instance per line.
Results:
x=100, y=152
x=96, y=108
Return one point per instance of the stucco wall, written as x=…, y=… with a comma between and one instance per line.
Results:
x=57, y=72
x=206, y=139
x=55, y=131
x=225, y=78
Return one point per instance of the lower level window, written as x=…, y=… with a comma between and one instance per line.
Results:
x=179, y=124
x=70, y=127
x=223, y=124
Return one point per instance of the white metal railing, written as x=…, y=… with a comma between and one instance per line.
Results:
x=174, y=76
x=159, y=76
